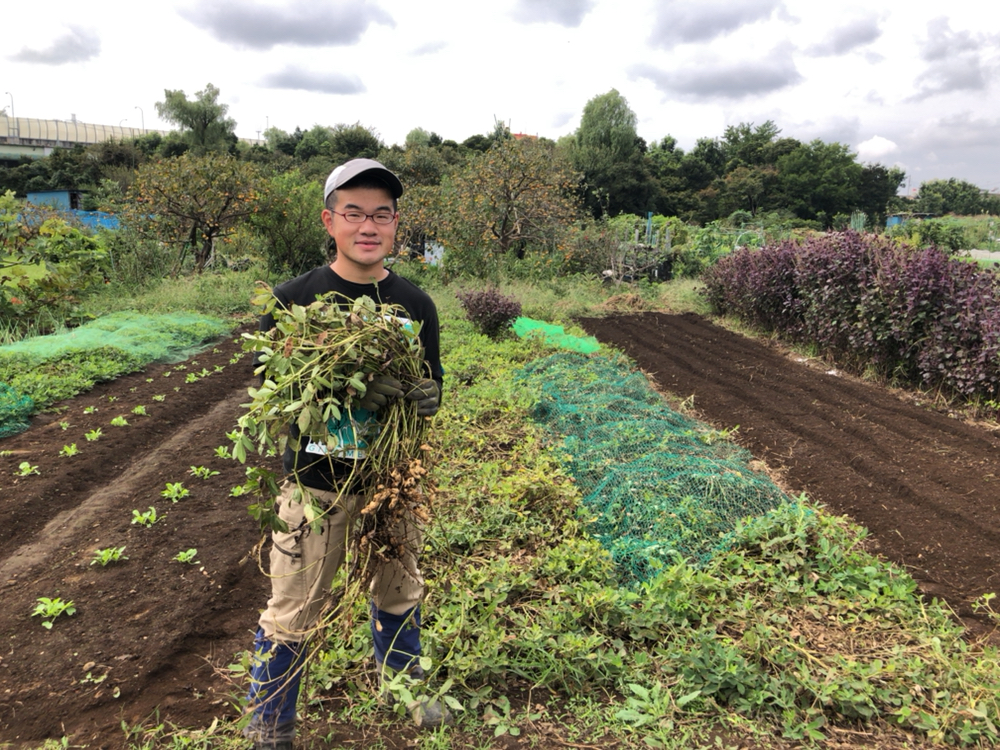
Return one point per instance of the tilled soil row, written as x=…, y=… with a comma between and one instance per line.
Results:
x=149, y=632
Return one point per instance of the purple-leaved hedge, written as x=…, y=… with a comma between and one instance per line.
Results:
x=915, y=315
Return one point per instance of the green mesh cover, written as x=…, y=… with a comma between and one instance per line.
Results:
x=15, y=411
x=147, y=338
x=656, y=485
x=51, y=368
x=555, y=335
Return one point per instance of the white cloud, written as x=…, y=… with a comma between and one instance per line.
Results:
x=714, y=79
x=302, y=23
x=688, y=21
x=76, y=45
x=308, y=80
x=875, y=148
x=843, y=39
x=569, y=13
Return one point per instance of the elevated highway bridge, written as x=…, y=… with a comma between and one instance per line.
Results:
x=34, y=138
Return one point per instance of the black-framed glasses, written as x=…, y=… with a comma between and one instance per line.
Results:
x=358, y=217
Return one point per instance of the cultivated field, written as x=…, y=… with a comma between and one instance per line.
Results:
x=149, y=632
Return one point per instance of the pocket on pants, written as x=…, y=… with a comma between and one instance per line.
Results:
x=286, y=554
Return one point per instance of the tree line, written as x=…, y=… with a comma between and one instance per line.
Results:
x=492, y=195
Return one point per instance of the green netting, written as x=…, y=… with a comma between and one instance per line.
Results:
x=657, y=485
x=46, y=369
x=555, y=335
x=147, y=338
x=15, y=411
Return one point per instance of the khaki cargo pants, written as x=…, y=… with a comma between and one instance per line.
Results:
x=303, y=566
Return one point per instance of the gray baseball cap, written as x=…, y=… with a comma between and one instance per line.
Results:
x=351, y=169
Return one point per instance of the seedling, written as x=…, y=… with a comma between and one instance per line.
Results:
x=203, y=472
x=166, y=373
x=204, y=372
x=108, y=555
x=132, y=390
x=187, y=556
x=112, y=399
x=176, y=388
x=24, y=469
x=139, y=411
x=191, y=378
x=5, y=454
x=146, y=519
x=93, y=435
x=69, y=450
x=89, y=409
x=64, y=426
x=180, y=367
x=119, y=421
x=218, y=368
x=51, y=609
x=149, y=380
x=216, y=351
x=159, y=397
x=238, y=491
x=175, y=491
x=223, y=452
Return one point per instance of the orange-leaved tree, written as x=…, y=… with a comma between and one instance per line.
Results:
x=190, y=201
x=515, y=197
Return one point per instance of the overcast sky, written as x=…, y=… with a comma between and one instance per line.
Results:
x=914, y=84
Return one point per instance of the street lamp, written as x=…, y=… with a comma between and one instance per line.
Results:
x=142, y=119
x=13, y=117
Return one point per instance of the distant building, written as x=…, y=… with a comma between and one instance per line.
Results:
x=63, y=200
x=68, y=202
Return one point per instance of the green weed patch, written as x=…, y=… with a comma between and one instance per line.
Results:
x=794, y=630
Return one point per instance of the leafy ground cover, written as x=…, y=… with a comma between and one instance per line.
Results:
x=799, y=636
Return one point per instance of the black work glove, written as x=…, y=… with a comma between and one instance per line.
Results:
x=427, y=395
x=380, y=389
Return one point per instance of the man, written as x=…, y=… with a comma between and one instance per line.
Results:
x=360, y=215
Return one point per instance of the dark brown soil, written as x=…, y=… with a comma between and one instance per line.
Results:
x=925, y=483
x=150, y=631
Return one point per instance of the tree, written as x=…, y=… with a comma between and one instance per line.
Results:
x=950, y=196
x=203, y=121
x=191, y=201
x=354, y=142
x=746, y=188
x=417, y=165
x=280, y=141
x=876, y=187
x=608, y=152
x=515, y=196
x=289, y=221
x=477, y=142
x=747, y=146
x=819, y=180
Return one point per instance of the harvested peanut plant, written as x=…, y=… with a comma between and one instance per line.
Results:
x=316, y=365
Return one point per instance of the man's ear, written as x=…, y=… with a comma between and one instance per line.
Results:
x=327, y=217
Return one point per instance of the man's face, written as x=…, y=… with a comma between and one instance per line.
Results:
x=361, y=247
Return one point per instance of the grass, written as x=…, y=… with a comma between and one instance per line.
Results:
x=224, y=294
